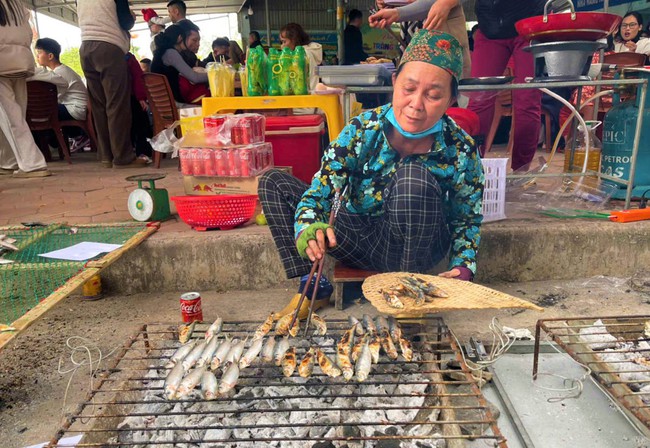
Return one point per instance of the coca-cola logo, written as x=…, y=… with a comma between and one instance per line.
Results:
x=191, y=308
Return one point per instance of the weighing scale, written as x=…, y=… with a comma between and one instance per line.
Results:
x=148, y=203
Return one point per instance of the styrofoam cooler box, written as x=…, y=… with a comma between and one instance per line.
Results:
x=494, y=193
x=296, y=141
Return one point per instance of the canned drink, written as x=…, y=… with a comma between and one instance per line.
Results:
x=191, y=307
x=197, y=162
x=221, y=162
x=186, y=162
x=246, y=159
x=234, y=169
x=210, y=167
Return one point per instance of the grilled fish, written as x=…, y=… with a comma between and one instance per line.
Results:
x=185, y=332
x=229, y=379
x=282, y=327
x=356, y=349
x=413, y=288
x=251, y=353
x=374, y=346
x=388, y=345
x=431, y=290
x=343, y=361
x=214, y=329
x=220, y=355
x=364, y=363
x=208, y=352
x=392, y=299
x=173, y=380
x=405, y=347
x=289, y=362
x=395, y=329
x=264, y=329
x=382, y=324
x=368, y=324
x=280, y=349
x=347, y=341
x=190, y=381
x=180, y=354
x=326, y=364
x=268, y=350
x=306, y=366
x=235, y=351
x=209, y=385
x=319, y=323
x=354, y=322
x=193, y=356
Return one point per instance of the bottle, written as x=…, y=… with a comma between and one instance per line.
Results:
x=284, y=80
x=274, y=72
x=256, y=72
x=593, y=159
x=299, y=72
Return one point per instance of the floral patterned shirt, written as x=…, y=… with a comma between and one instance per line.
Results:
x=362, y=159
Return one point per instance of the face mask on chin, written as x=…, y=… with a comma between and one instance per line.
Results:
x=390, y=116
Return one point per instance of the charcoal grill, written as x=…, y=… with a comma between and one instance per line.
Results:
x=609, y=346
x=128, y=385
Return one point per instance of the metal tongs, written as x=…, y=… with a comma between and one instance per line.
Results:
x=336, y=205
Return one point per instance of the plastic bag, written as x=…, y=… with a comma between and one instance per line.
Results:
x=257, y=84
x=166, y=141
x=221, y=78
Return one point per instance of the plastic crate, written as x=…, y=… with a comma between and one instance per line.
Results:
x=494, y=194
x=221, y=211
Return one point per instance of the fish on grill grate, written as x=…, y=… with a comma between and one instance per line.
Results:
x=388, y=345
x=229, y=379
x=282, y=326
x=173, y=380
x=185, y=332
x=394, y=329
x=358, y=328
x=369, y=324
x=264, y=329
x=208, y=352
x=220, y=354
x=320, y=324
x=193, y=357
x=406, y=349
x=289, y=362
x=364, y=363
x=326, y=364
x=235, y=352
x=214, y=329
x=180, y=354
x=268, y=350
x=306, y=366
x=252, y=353
x=280, y=349
x=344, y=362
x=190, y=381
x=209, y=385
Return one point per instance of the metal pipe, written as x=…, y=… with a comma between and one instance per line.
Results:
x=268, y=23
x=340, y=26
x=637, y=140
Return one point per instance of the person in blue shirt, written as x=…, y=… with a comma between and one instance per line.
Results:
x=410, y=178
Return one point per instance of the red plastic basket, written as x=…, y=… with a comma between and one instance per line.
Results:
x=224, y=212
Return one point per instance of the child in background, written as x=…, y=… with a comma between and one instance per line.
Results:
x=190, y=92
x=140, y=127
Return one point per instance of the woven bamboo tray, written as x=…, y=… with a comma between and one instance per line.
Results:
x=462, y=296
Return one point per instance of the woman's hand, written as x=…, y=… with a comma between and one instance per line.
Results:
x=438, y=14
x=316, y=248
x=453, y=273
x=631, y=46
x=459, y=273
x=383, y=18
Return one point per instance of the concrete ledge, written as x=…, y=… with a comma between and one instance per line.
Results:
x=513, y=250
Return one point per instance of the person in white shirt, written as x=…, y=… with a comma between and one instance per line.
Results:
x=629, y=37
x=73, y=95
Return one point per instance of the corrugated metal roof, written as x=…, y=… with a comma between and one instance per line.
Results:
x=66, y=10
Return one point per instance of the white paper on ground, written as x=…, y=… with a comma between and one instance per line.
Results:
x=82, y=251
x=68, y=441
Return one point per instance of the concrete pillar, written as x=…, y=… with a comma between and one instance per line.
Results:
x=340, y=26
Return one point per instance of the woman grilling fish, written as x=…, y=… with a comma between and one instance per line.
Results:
x=411, y=182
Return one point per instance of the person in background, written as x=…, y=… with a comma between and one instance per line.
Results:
x=145, y=65
x=629, y=37
x=495, y=42
x=237, y=55
x=140, y=126
x=104, y=43
x=168, y=60
x=177, y=11
x=441, y=15
x=254, y=39
x=156, y=25
x=292, y=35
x=73, y=96
x=19, y=155
x=220, y=52
x=411, y=182
x=353, y=39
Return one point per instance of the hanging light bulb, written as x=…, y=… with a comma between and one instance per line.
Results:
x=250, y=10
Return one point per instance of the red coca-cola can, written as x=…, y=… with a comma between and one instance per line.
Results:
x=246, y=162
x=210, y=168
x=221, y=162
x=198, y=166
x=191, y=307
x=234, y=168
x=186, y=162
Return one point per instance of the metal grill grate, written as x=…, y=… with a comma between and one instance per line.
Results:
x=337, y=412
x=615, y=348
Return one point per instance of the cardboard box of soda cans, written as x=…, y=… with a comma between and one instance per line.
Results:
x=204, y=186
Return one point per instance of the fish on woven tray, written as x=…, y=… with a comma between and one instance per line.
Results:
x=417, y=288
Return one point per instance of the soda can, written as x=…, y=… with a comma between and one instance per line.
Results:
x=221, y=162
x=191, y=307
x=197, y=162
x=186, y=162
x=246, y=161
x=234, y=170
x=210, y=168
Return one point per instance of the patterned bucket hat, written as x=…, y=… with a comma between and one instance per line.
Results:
x=435, y=48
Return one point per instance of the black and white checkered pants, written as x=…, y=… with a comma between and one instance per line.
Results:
x=411, y=235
